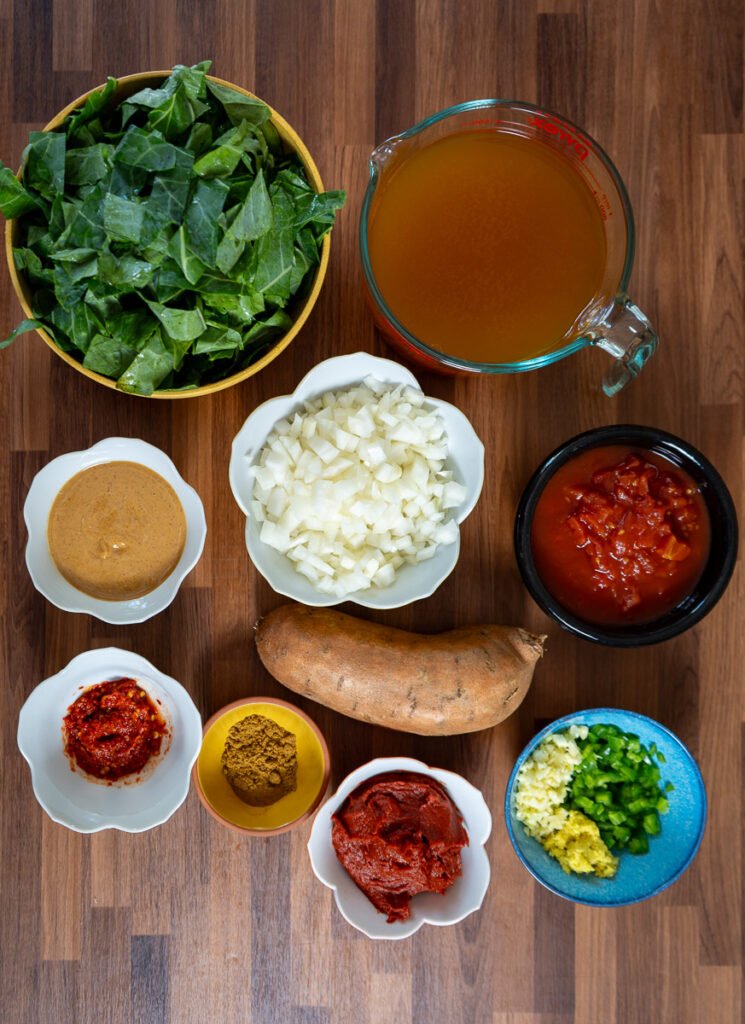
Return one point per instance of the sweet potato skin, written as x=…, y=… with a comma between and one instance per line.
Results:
x=434, y=685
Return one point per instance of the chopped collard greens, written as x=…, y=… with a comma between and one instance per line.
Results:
x=164, y=237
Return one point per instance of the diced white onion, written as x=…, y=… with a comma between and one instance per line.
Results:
x=354, y=486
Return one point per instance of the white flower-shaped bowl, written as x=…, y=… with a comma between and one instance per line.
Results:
x=464, y=897
x=465, y=459
x=74, y=800
x=44, y=489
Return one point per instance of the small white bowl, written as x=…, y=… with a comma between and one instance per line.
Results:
x=72, y=799
x=465, y=459
x=464, y=897
x=45, y=487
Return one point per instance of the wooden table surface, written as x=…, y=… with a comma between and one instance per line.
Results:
x=191, y=923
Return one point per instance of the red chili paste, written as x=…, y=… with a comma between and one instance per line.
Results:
x=620, y=536
x=399, y=834
x=113, y=729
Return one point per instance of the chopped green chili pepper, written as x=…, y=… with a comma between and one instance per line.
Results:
x=617, y=785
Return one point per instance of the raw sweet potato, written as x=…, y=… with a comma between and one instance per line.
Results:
x=440, y=685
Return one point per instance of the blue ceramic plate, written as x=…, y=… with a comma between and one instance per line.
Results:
x=670, y=853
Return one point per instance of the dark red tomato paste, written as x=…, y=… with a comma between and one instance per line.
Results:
x=399, y=834
x=113, y=729
x=620, y=536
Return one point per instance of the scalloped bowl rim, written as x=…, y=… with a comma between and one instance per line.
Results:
x=68, y=680
x=345, y=371
x=477, y=819
x=53, y=586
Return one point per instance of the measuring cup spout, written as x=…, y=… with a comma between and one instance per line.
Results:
x=382, y=154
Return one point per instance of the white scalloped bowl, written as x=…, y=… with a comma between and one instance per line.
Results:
x=45, y=487
x=463, y=898
x=71, y=799
x=465, y=459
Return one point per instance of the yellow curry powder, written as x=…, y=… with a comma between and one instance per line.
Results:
x=260, y=760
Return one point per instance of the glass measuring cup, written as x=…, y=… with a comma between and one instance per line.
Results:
x=610, y=321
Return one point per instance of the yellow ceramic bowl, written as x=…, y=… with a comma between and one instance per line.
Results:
x=313, y=768
x=127, y=86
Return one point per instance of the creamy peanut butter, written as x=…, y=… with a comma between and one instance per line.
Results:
x=116, y=531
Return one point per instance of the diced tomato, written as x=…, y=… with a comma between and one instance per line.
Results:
x=640, y=525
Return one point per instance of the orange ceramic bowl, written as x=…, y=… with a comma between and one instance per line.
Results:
x=313, y=770
x=127, y=86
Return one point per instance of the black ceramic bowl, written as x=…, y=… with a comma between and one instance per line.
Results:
x=724, y=533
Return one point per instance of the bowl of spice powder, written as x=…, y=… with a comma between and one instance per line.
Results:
x=263, y=768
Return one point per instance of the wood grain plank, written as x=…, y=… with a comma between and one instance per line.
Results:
x=302, y=99
x=348, y=995
x=185, y=33
x=553, y=954
x=312, y=963
x=531, y=1018
x=395, y=68
x=354, y=69
x=515, y=58
x=562, y=44
x=72, y=38
x=678, y=957
x=61, y=892
x=719, y=231
x=720, y=866
x=32, y=55
x=234, y=41
x=595, y=939
x=190, y=425
x=231, y=988
x=309, y=1015
x=128, y=24
x=107, y=943
x=719, y=992
x=558, y=7
x=390, y=994
x=194, y=974
x=270, y=866
x=638, y=964
x=110, y=874
x=150, y=894
x=20, y=840
x=442, y=31
x=57, y=983
x=716, y=38
x=149, y=979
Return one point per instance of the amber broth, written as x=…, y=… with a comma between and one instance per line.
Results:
x=486, y=245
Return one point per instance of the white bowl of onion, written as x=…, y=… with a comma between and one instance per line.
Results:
x=354, y=486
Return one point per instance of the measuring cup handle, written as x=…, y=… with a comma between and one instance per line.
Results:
x=627, y=335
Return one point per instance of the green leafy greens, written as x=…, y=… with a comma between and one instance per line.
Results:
x=165, y=238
